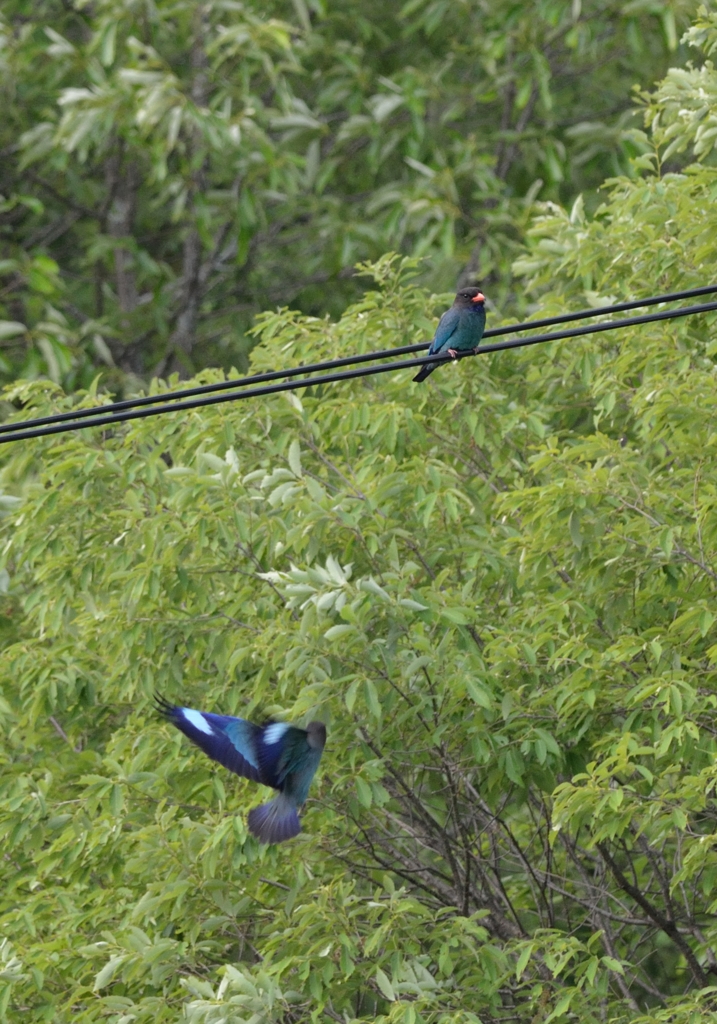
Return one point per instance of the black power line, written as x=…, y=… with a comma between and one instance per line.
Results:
x=334, y=364
x=101, y=419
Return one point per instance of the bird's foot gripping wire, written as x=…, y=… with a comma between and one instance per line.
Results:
x=453, y=353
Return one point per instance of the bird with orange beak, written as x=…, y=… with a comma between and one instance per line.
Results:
x=460, y=329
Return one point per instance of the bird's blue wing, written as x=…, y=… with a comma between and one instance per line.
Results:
x=447, y=326
x=230, y=741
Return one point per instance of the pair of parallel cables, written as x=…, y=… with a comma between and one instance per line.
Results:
x=259, y=384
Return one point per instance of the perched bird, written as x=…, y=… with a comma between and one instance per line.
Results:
x=460, y=329
x=275, y=754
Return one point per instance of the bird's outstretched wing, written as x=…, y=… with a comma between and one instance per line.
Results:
x=230, y=741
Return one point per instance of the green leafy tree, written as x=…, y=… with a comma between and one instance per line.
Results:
x=498, y=591
x=170, y=169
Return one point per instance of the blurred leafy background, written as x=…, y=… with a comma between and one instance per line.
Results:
x=169, y=169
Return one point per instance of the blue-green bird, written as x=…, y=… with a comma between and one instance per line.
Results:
x=275, y=754
x=460, y=329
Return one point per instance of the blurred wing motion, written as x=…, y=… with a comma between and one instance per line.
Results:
x=230, y=741
x=276, y=754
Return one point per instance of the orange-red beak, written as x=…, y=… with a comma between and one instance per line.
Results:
x=480, y=297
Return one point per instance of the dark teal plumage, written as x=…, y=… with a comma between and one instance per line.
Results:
x=276, y=754
x=460, y=329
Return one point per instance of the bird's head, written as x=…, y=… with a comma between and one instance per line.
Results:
x=316, y=735
x=470, y=297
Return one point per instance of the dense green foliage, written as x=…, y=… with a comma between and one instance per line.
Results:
x=497, y=589
x=167, y=169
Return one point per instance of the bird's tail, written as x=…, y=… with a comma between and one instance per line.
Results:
x=274, y=822
x=425, y=371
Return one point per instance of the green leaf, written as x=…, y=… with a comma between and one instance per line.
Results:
x=562, y=1006
x=575, y=531
x=478, y=693
x=342, y=629
x=372, y=587
x=106, y=975
x=523, y=961
x=372, y=700
x=11, y=329
x=384, y=985
x=294, y=459
x=612, y=964
x=364, y=792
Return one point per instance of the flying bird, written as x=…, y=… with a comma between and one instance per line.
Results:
x=276, y=754
x=460, y=329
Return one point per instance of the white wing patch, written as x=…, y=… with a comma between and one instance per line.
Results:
x=198, y=720
x=274, y=732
